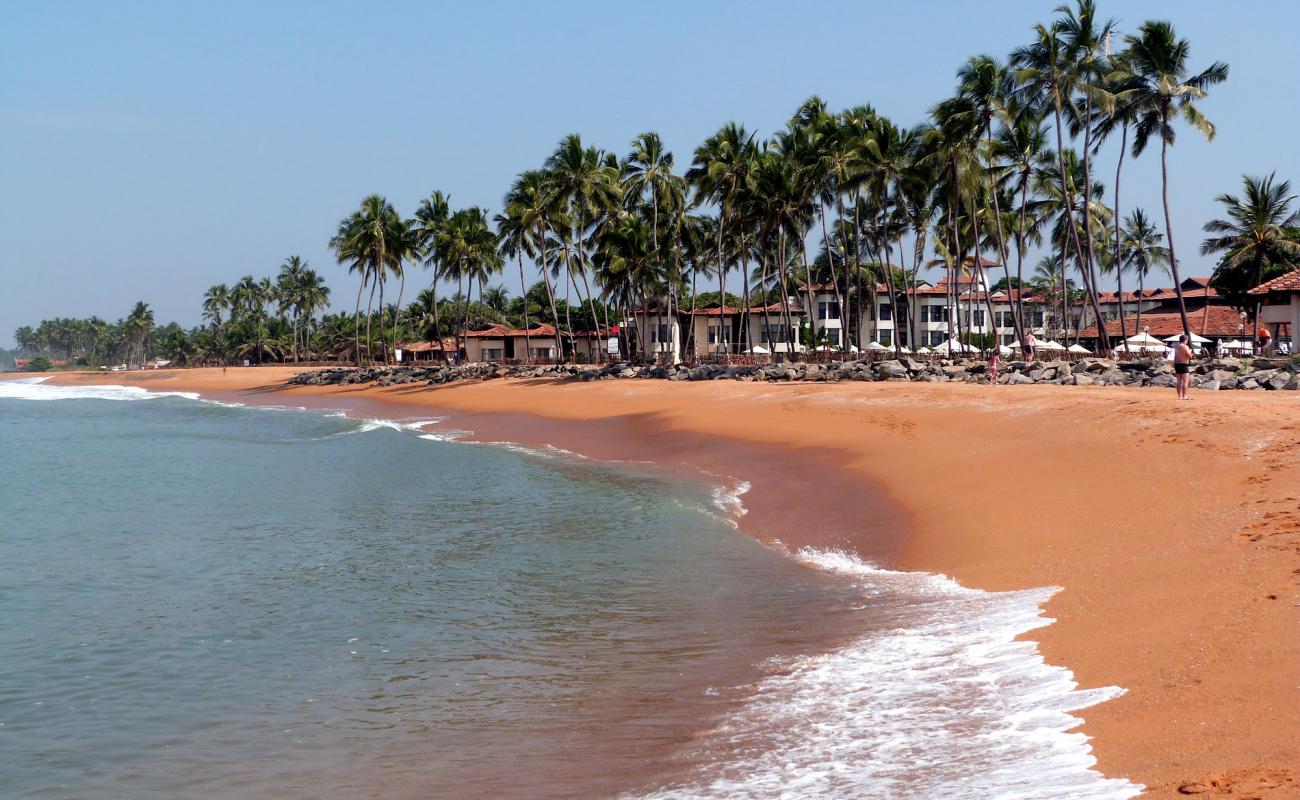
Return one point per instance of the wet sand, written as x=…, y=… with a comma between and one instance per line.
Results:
x=1174, y=528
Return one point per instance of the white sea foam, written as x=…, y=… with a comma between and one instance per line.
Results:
x=38, y=389
x=942, y=703
x=728, y=500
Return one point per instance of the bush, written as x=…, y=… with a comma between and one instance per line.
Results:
x=39, y=364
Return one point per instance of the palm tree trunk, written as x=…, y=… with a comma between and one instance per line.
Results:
x=1020, y=260
x=1169, y=225
x=722, y=284
x=383, y=339
x=523, y=292
x=356, y=320
x=550, y=296
x=744, y=338
x=835, y=282
x=397, y=313
x=1068, y=195
x=1119, y=265
x=1016, y=322
x=1093, y=291
x=370, y=303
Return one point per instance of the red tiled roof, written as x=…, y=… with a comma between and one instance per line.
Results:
x=420, y=347
x=714, y=311
x=494, y=331
x=1207, y=321
x=1288, y=283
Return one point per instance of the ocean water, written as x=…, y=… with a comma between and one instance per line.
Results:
x=206, y=600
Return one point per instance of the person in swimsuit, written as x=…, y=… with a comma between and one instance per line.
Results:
x=1029, y=345
x=1182, y=367
x=995, y=363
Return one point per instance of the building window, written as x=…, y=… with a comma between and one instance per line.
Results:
x=716, y=335
x=828, y=310
x=659, y=334
x=886, y=312
x=1037, y=318
x=493, y=353
x=832, y=335
x=772, y=334
x=886, y=336
x=979, y=319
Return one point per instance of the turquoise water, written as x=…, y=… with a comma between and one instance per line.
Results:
x=202, y=600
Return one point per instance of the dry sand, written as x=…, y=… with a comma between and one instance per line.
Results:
x=1174, y=527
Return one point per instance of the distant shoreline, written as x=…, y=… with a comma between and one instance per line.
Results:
x=1170, y=526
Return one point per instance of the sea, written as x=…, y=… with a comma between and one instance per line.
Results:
x=202, y=599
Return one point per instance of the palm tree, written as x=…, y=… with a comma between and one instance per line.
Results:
x=525, y=224
x=290, y=279
x=585, y=185
x=1255, y=231
x=1141, y=251
x=137, y=326
x=648, y=171
x=372, y=241
x=215, y=301
x=1048, y=76
x=468, y=246
x=1022, y=148
x=721, y=169
x=430, y=218
x=1161, y=87
x=988, y=87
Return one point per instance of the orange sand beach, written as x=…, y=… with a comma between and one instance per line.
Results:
x=1173, y=528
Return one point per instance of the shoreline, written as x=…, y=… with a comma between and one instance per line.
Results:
x=1193, y=616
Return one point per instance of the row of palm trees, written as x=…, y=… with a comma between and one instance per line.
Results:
x=1005, y=165
x=244, y=308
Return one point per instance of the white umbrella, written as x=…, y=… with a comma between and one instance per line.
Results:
x=1078, y=348
x=954, y=346
x=902, y=349
x=1196, y=338
x=1232, y=345
x=853, y=348
x=1050, y=345
x=1145, y=339
x=758, y=350
x=923, y=350
x=876, y=346
x=1004, y=350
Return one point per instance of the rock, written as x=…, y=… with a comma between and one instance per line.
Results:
x=1164, y=380
x=1193, y=787
x=891, y=369
x=1220, y=375
x=1212, y=385
x=1247, y=383
x=1083, y=379
x=1279, y=380
x=1018, y=379
x=1226, y=362
x=1293, y=384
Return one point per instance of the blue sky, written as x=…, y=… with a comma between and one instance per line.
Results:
x=151, y=149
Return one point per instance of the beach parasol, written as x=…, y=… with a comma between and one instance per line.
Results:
x=1050, y=345
x=876, y=346
x=1196, y=338
x=954, y=346
x=923, y=351
x=1232, y=345
x=1145, y=340
x=1078, y=348
x=758, y=350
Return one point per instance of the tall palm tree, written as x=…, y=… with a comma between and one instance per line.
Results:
x=430, y=218
x=988, y=88
x=468, y=245
x=216, y=301
x=1162, y=86
x=1021, y=147
x=372, y=240
x=137, y=326
x=585, y=185
x=1141, y=251
x=723, y=167
x=292, y=272
x=1255, y=231
x=523, y=227
x=1047, y=71
x=648, y=175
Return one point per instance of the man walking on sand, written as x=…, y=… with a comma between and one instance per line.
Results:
x=1182, y=367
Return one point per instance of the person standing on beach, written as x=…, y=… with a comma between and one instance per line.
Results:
x=1030, y=344
x=995, y=363
x=1182, y=367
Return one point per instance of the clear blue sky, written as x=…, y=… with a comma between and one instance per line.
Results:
x=151, y=149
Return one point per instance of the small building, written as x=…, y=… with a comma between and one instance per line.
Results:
x=487, y=343
x=1280, y=308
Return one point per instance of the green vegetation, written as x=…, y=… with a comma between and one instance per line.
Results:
x=850, y=201
x=39, y=364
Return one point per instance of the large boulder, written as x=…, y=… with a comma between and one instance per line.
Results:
x=1165, y=380
x=1212, y=385
x=1279, y=380
x=891, y=369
